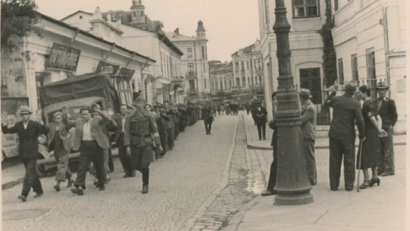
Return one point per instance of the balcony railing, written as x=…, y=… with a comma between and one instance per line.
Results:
x=191, y=74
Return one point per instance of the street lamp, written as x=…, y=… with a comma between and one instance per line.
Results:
x=292, y=186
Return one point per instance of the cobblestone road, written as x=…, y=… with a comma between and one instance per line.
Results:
x=180, y=184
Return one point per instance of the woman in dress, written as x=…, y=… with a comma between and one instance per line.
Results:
x=370, y=153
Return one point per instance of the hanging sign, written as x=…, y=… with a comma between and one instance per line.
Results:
x=107, y=68
x=63, y=58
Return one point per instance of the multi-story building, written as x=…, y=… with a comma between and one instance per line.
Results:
x=305, y=17
x=221, y=80
x=194, y=62
x=370, y=42
x=247, y=72
x=163, y=81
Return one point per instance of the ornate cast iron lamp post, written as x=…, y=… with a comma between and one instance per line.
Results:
x=292, y=184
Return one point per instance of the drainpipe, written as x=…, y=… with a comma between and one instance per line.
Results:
x=386, y=47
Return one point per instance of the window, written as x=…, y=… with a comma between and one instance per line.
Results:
x=305, y=8
x=191, y=67
x=230, y=84
x=242, y=67
x=189, y=53
x=247, y=65
x=204, y=67
x=310, y=79
x=236, y=67
x=205, y=83
x=370, y=65
x=336, y=5
x=238, y=84
x=340, y=71
x=213, y=86
x=355, y=72
x=203, y=52
x=243, y=82
x=191, y=85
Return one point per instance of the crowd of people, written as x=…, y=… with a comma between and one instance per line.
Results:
x=140, y=131
x=374, y=119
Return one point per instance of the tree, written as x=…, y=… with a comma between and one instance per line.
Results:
x=18, y=18
x=329, y=53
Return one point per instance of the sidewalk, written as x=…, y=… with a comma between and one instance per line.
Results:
x=379, y=208
x=322, y=141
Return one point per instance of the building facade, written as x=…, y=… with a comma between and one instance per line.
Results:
x=221, y=81
x=305, y=17
x=370, y=42
x=248, y=79
x=60, y=52
x=194, y=62
x=162, y=81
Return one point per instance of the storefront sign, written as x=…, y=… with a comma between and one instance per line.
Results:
x=127, y=73
x=63, y=58
x=107, y=68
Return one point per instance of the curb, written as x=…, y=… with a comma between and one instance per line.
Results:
x=250, y=146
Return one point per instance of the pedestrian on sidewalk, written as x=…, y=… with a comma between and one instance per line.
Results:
x=140, y=133
x=270, y=190
x=371, y=147
x=346, y=113
x=91, y=141
x=388, y=114
x=59, y=141
x=28, y=132
x=169, y=126
x=308, y=118
x=259, y=115
x=119, y=140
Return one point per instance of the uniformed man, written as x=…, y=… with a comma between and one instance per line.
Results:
x=346, y=113
x=169, y=126
x=139, y=128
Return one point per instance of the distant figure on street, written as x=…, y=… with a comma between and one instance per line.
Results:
x=59, y=141
x=169, y=126
x=371, y=147
x=270, y=190
x=346, y=113
x=388, y=114
x=259, y=115
x=308, y=118
x=91, y=141
x=119, y=140
x=140, y=129
x=28, y=132
x=208, y=118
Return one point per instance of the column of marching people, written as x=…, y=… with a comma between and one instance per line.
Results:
x=141, y=132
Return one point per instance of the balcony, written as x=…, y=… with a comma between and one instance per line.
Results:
x=192, y=92
x=191, y=74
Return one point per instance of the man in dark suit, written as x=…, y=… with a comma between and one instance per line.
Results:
x=119, y=140
x=208, y=118
x=169, y=126
x=308, y=118
x=259, y=116
x=270, y=190
x=28, y=132
x=59, y=142
x=346, y=112
x=91, y=141
x=388, y=114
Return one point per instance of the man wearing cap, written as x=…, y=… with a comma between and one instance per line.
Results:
x=91, y=141
x=119, y=140
x=28, y=132
x=59, y=141
x=346, y=112
x=138, y=140
x=388, y=113
x=308, y=118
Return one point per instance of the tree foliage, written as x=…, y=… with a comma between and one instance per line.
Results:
x=329, y=53
x=18, y=18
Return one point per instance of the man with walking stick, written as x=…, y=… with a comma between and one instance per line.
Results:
x=346, y=112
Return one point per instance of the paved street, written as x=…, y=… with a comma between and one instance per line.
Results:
x=180, y=184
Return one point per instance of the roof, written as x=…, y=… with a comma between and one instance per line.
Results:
x=91, y=35
x=180, y=37
x=200, y=26
x=247, y=49
x=115, y=15
x=167, y=41
x=80, y=11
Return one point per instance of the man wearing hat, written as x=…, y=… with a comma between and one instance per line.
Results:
x=138, y=140
x=308, y=118
x=346, y=112
x=388, y=114
x=28, y=132
x=59, y=141
x=259, y=116
x=208, y=118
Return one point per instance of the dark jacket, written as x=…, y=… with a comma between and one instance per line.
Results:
x=62, y=132
x=388, y=113
x=274, y=141
x=346, y=111
x=28, y=142
x=259, y=116
x=308, y=118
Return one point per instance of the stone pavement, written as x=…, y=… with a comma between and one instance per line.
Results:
x=322, y=140
x=379, y=208
x=182, y=185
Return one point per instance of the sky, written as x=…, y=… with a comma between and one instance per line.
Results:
x=230, y=24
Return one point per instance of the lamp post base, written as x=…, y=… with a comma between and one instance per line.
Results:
x=293, y=199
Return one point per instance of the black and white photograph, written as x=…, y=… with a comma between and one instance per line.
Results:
x=204, y=115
